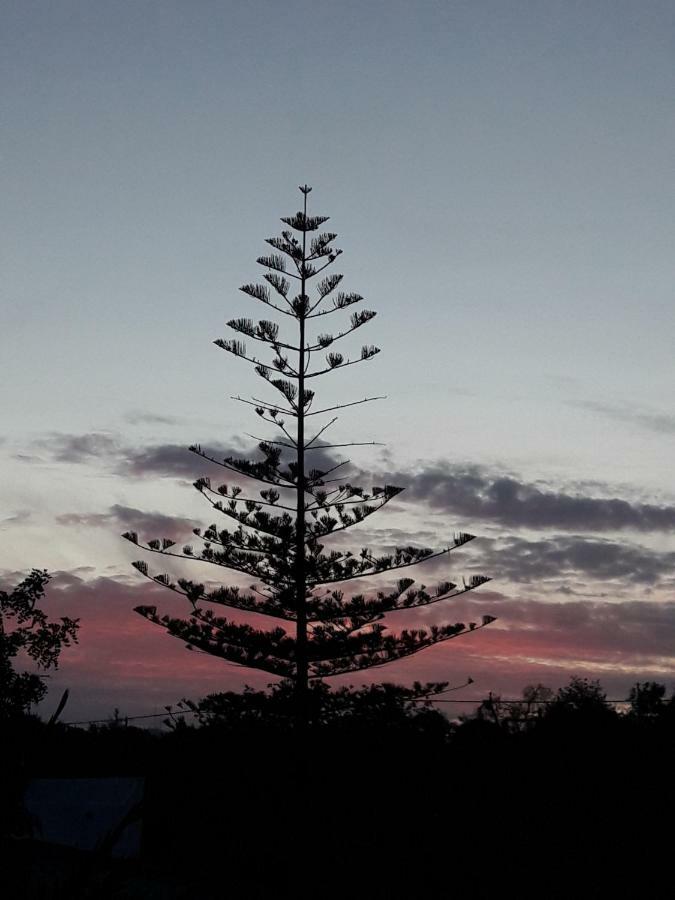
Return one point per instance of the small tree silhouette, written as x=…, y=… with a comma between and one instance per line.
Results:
x=647, y=700
x=279, y=542
x=26, y=631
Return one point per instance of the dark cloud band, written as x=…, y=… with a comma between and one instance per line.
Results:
x=568, y=557
x=477, y=494
x=127, y=518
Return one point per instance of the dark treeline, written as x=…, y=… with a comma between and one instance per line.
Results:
x=551, y=799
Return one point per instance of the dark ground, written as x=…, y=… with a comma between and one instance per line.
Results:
x=564, y=809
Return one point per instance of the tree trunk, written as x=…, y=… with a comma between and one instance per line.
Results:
x=302, y=668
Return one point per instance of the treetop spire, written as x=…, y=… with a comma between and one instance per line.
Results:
x=324, y=633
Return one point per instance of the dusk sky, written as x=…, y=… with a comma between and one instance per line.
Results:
x=501, y=178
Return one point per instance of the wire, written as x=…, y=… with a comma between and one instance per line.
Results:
x=194, y=712
x=125, y=719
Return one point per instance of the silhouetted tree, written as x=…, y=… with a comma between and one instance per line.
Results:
x=25, y=630
x=380, y=705
x=516, y=715
x=579, y=707
x=581, y=695
x=280, y=529
x=647, y=700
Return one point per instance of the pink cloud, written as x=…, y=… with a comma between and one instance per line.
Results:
x=123, y=661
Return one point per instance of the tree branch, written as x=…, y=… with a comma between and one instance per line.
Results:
x=320, y=432
x=401, y=655
x=281, y=482
x=343, y=365
x=319, y=412
x=255, y=402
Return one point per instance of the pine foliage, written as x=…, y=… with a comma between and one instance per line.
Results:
x=276, y=535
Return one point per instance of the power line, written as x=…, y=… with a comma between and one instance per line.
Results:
x=125, y=719
x=194, y=712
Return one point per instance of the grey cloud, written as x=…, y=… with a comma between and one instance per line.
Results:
x=79, y=448
x=172, y=460
x=561, y=563
x=154, y=524
x=632, y=627
x=169, y=459
x=574, y=556
x=127, y=518
x=622, y=633
x=472, y=493
x=177, y=461
x=19, y=517
x=140, y=417
x=660, y=423
x=476, y=493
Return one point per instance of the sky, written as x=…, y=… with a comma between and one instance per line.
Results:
x=500, y=175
